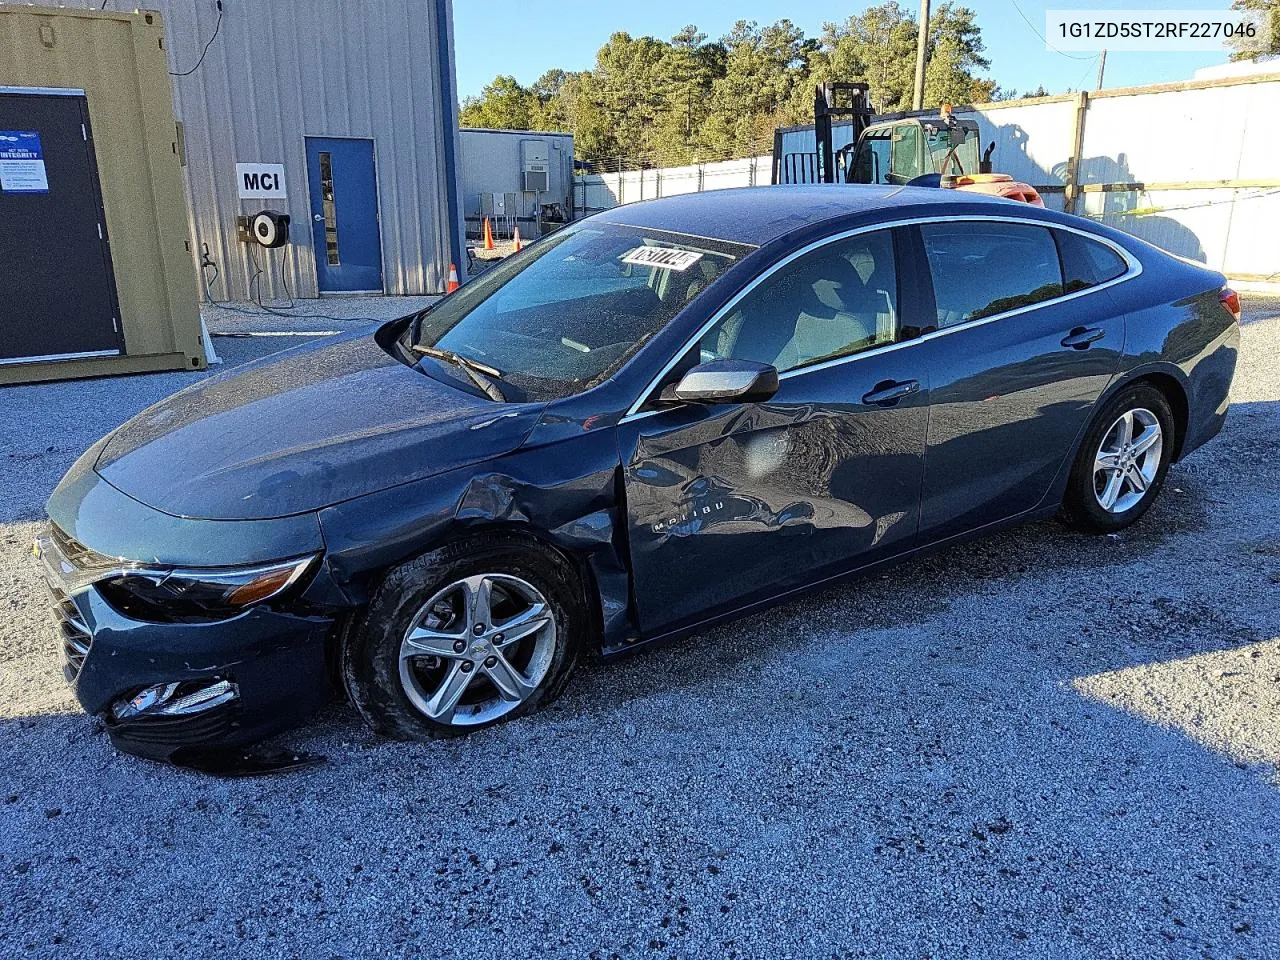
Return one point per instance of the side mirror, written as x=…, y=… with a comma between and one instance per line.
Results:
x=728, y=381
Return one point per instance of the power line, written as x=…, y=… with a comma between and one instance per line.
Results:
x=1041, y=36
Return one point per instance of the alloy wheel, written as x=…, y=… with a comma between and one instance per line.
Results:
x=1127, y=460
x=477, y=649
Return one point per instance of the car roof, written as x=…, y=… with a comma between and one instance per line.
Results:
x=758, y=215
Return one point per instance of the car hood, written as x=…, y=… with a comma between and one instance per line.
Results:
x=300, y=431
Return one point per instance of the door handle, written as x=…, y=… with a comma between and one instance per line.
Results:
x=1081, y=337
x=889, y=392
x=318, y=217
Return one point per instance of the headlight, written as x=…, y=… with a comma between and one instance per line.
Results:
x=154, y=594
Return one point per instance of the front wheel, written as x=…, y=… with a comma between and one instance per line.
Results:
x=1122, y=462
x=477, y=632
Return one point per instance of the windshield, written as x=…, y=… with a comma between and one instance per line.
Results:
x=953, y=149
x=565, y=312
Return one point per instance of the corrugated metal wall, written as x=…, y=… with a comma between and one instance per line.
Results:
x=281, y=71
x=489, y=162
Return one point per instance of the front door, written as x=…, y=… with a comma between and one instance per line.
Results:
x=57, y=290
x=732, y=503
x=343, y=183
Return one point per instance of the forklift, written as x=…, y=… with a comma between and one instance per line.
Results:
x=929, y=151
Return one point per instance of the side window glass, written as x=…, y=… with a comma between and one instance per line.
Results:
x=981, y=268
x=906, y=147
x=873, y=159
x=1086, y=263
x=837, y=300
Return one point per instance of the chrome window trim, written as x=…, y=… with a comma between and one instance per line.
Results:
x=682, y=233
x=1133, y=263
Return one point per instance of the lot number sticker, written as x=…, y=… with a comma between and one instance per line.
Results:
x=22, y=162
x=664, y=258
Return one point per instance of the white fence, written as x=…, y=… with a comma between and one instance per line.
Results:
x=1191, y=167
x=604, y=191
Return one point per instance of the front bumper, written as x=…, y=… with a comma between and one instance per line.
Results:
x=266, y=669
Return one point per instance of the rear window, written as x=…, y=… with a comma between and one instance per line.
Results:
x=981, y=268
x=1087, y=263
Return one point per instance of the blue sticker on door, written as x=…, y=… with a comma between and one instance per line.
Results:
x=22, y=162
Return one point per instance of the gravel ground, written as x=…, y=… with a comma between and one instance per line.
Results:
x=329, y=314
x=1038, y=744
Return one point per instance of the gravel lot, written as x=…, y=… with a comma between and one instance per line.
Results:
x=1039, y=744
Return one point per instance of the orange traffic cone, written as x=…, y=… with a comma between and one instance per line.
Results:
x=519, y=244
x=452, y=285
x=488, y=235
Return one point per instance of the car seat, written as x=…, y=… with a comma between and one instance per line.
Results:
x=837, y=311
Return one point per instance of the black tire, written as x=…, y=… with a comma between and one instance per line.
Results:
x=371, y=648
x=1080, y=506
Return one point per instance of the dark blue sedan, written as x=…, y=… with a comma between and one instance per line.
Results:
x=653, y=419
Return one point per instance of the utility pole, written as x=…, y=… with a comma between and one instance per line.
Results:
x=1102, y=68
x=922, y=54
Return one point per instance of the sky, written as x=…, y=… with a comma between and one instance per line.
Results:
x=522, y=39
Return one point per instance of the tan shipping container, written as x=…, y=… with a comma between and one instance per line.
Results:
x=118, y=62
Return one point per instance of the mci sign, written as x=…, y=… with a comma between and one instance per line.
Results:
x=256, y=181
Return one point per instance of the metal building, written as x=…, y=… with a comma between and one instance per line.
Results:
x=342, y=116
x=522, y=177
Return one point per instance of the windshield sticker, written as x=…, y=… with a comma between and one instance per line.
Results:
x=664, y=258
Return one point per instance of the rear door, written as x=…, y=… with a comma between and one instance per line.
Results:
x=57, y=290
x=732, y=503
x=1020, y=355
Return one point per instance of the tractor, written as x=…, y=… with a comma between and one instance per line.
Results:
x=919, y=151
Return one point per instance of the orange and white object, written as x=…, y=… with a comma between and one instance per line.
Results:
x=519, y=242
x=452, y=285
x=997, y=185
x=488, y=235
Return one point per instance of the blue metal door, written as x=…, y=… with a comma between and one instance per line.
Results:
x=344, y=214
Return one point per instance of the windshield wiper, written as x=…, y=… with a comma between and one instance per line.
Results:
x=479, y=374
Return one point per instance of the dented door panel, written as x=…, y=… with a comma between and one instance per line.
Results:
x=735, y=503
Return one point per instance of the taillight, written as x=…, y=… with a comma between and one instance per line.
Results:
x=1231, y=300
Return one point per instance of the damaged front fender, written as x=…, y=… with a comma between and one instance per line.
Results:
x=572, y=502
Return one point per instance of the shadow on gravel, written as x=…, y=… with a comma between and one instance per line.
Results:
x=1226, y=700
x=920, y=589
x=998, y=750
x=1257, y=308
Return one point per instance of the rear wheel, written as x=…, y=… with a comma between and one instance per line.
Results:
x=1122, y=462
x=466, y=636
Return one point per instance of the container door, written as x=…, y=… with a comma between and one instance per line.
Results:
x=344, y=214
x=57, y=292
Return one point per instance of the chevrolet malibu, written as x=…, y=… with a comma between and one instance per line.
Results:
x=653, y=419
